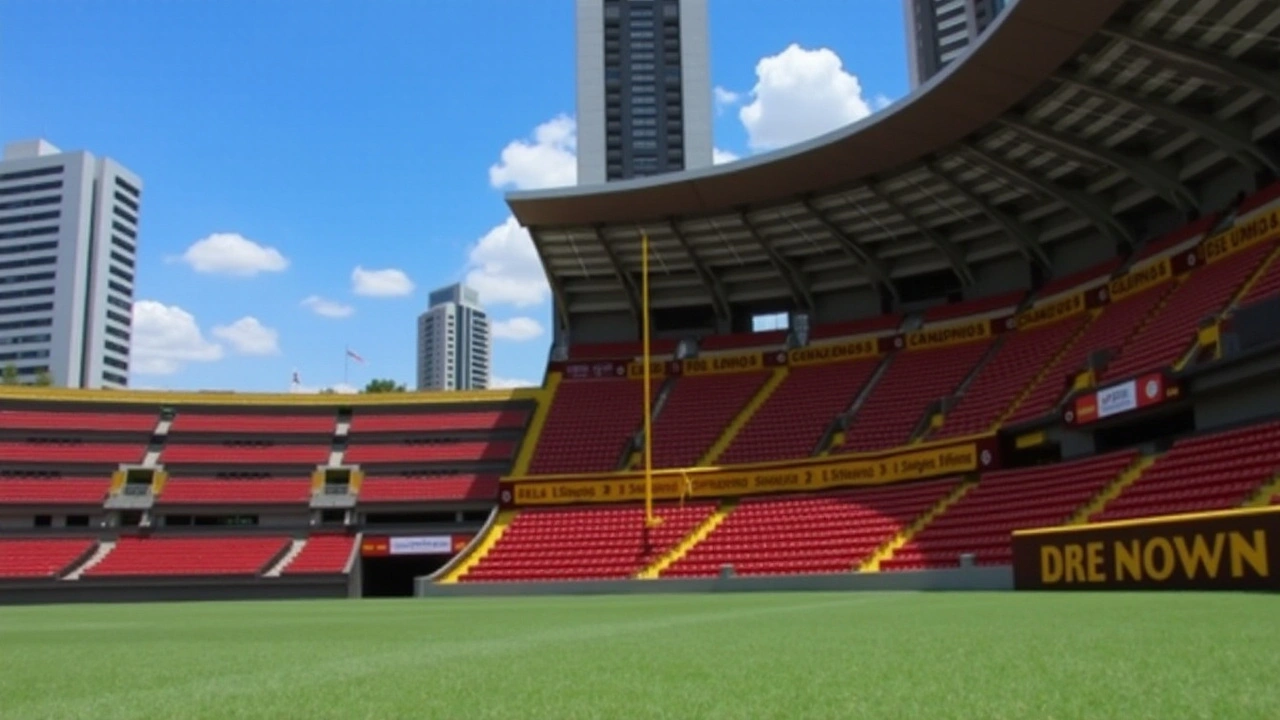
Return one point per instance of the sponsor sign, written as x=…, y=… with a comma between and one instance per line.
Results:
x=1051, y=312
x=1246, y=233
x=957, y=334
x=595, y=370
x=825, y=474
x=1139, y=279
x=657, y=369
x=422, y=545
x=375, y=547
x=1231, y=550
x=382, y=546
x=1117, y=399
x=834, y=352
x=723, y=364
x=1141, y=392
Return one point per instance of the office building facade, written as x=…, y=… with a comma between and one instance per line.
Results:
x=940, y=31
x=453, y=341
x=644, y=88
x=68, y=254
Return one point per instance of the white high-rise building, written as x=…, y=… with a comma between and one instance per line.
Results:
x=644, y=88
x=940, y=31
x=453, y=341
x=68, y=254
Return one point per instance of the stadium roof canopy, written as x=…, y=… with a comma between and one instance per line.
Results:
x=1066, y=115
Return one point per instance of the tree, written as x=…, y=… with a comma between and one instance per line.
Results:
x=382, y=385
x=10, y=375
x=43, y=378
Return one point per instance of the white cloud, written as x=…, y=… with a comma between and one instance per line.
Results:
x=505, y=268
x=248, y=336
x=725, y=97
x=388, y=282
x=500, y=383
x=233, y=254
x=800, y=94
x=165, y=337
x=327, y=308
x=550, y=160
x=881, y=101
x=720, y=157
x=517, y=329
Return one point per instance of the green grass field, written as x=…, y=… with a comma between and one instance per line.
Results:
x=856, y=655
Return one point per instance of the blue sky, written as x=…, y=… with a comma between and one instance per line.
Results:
x=312, y=170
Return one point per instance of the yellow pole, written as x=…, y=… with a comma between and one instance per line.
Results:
x=648, y=379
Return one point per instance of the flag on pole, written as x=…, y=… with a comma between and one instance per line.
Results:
x=297, y=380
x=354, y=356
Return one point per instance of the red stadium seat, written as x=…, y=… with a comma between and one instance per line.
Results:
x=697, y=411
x=27, y=559
x=898, y=402
x=981, y=522
x=808, y=534
x=791, y=423
x=322, y=555
x=189, y=556
x=1217, y=471
x=584, y=543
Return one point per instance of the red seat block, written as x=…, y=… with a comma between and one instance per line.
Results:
x=982, y=521
x=696, y=412
x=234, y=454
x=826, y=533
x=368, y=421
x=588, y=425
x=791, y=423
x=1217, y=471
x=213, y=491
x=399, y=453
x=244, y=424
x=584, y=543
x=71, y=452
x=53, y=491
x=322, y=555
x=29, y=559
x=189, y=556
x=898, y=402
x=138, y=422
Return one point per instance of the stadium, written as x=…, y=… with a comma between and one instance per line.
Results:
x=1035, y=323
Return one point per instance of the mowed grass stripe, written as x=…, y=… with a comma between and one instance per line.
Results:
x=1177, y=655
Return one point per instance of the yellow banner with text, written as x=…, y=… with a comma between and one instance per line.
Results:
x=945, y=335
x=834, y=352
x=1052, y=311
x=1244, y=234
x=1139, y=279
x=825, y=474
x=722, y=364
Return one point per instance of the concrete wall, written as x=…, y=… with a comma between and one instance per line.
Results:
x=993, y=277
x=101, y=591
x=982, y=578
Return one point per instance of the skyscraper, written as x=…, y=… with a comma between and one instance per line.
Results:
x=644, y=88
x=453, y=341
x=68, y=253
x=939, y=31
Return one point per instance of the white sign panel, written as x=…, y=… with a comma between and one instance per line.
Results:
x=422, y=545
x=1118, y=399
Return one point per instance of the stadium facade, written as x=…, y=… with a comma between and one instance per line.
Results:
x=643, y=88
x=454, y=341
x=1042, y=291
x=68, y=253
